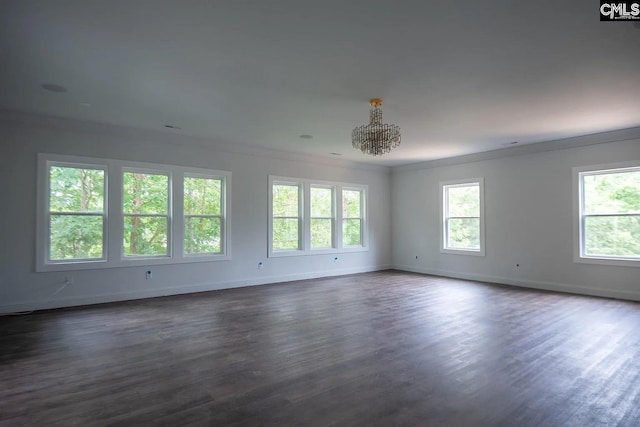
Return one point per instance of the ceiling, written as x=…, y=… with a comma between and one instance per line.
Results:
x=457, y=77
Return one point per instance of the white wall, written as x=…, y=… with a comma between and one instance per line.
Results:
x=528, y=217
x=21, y=288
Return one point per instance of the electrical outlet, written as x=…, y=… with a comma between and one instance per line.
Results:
x=148, y=275
x=260, y=265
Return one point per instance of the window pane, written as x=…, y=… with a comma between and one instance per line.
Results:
x=285, y=233
x=464, y=201
x=76, y=189
x=351, y=203
x=321, y=202
x=612, y=193
x=352, y=232
x=145, y=193
x=76, y=237
x=321, y=233
x=202, y=235
x=285, y=200
x=202, y=196
x=464, y=233
x=612, y=235
x=145, y=235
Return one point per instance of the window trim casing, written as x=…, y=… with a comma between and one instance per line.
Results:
x=115, y=220
x=305, y=248
x=578, y=173
x=443, y=216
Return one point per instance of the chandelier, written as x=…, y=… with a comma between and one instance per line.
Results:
x=376, y=138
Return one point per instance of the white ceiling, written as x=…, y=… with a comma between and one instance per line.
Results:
x=458, y=77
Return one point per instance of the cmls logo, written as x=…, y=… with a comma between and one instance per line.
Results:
x=620, y=11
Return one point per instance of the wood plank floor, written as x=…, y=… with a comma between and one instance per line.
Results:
x=386, y=348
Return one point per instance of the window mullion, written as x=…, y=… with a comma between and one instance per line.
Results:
x=115, y=217
x=363, y=209
x=173, y=211
x=339, y=219
x=305, y=216
x=176, y=196
x=334, y=242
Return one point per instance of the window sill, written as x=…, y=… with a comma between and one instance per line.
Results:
x=619, y=262
x=333, y=251
x=135, y=262
x=471, y=252
x=354, y=249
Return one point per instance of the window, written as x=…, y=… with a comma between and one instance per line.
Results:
x=608, y=214
x=145, y=208
x=352, y=217
x=462, y=229
x=76, y=218
x=286, y=216
x=322, y=217
x=101, y=213
x=203, y=220
x=315, y=217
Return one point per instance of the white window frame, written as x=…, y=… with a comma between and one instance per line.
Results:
x=305, y=217
x=443, y=187
x=300, y=217
x=168, y=216
x=362, y=216
x=222, y=216
x=332, y=218
x=114, y=224
x=44, y=224
x=579, y=173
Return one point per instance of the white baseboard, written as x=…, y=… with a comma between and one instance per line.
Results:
x=547, y=286
x=213, y=286
x=178, y=290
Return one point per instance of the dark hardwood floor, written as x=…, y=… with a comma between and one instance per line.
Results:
x=386, y=348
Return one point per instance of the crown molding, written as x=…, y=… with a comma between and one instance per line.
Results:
x=40, y=121
x=620, y=135
x=33, y=120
